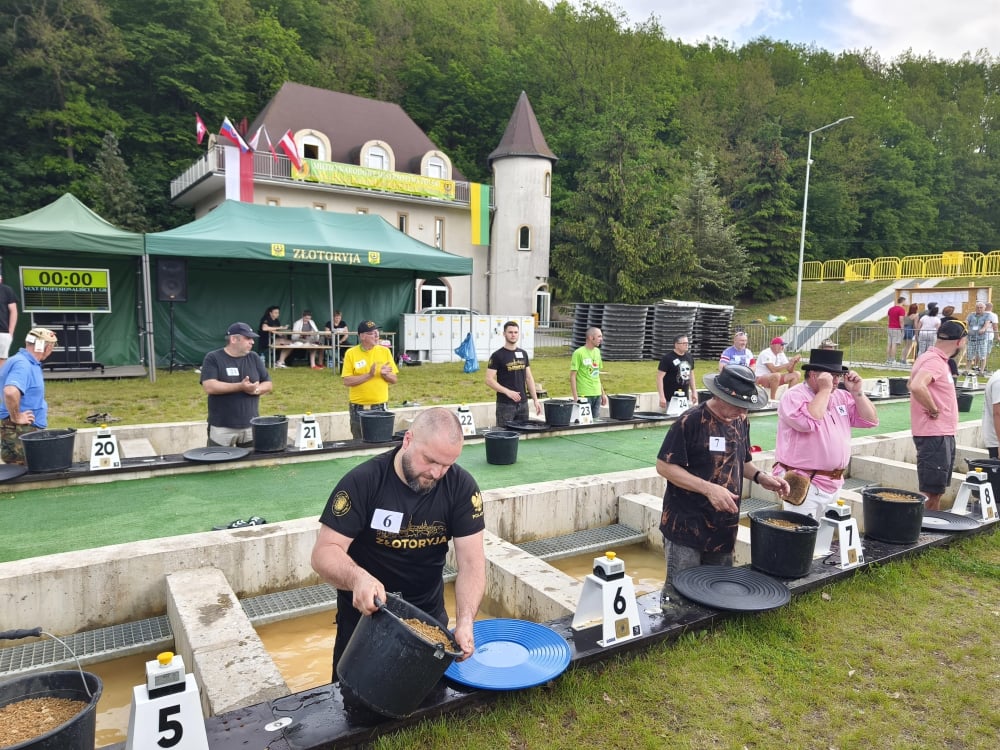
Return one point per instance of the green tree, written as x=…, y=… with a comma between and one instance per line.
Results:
x=109, y=189
x=701, y=226
x=611, y=243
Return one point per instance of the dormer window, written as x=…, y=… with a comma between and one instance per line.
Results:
x=435, y=164
x=378, y=155
x=313, y=145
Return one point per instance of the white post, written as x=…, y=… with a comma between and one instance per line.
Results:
x=802, y=238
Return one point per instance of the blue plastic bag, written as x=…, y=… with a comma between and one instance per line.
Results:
x=467, y=351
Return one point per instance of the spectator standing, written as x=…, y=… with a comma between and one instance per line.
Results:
x=991, y=332
x=737, y=354
x=368, y=371
x=774, y=368
x=815, y=419
x=8, y=319
x=585, y=372
x=927, y=326
x=387, y=525
x=909, y=333
x=934, y=413
x=304, y=331
x=991, y=415
x=508, y=372
x=676, y=372
x=705, y=457
x=896, y=314
x=24, y=408
x=234, y=382
x=977, y=323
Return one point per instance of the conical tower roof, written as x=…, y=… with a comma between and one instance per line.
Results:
x=522, y=137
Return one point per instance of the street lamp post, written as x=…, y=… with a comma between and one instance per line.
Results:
x=805, y=203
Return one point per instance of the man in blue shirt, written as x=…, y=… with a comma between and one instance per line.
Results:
x=23, y=408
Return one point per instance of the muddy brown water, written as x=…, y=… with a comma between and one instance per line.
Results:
x=301, y=647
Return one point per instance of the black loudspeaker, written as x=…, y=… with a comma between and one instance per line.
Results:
x=171, y=280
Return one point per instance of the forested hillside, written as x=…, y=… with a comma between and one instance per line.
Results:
x=681, y=169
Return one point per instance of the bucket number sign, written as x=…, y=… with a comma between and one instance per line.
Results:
x=104, y=452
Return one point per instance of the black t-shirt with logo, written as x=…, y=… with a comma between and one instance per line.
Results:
x=511, y=366
x=678, y=368
x=406, y=551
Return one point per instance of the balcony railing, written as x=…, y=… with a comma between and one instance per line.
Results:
x=268, y=167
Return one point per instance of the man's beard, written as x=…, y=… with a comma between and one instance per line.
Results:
x=413, y=478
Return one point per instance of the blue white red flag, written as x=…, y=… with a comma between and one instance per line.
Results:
x=229, y=131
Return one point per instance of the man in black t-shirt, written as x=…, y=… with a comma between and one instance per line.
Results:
x=676, y=372
x=509, y=374
x=234, y=379
x=387, y=524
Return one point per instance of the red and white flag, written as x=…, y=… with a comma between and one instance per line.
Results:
x=287, y=144
x=229, y=132
x=200, y=130
x=256, y=139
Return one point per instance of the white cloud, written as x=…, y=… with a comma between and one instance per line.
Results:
x=947, y=29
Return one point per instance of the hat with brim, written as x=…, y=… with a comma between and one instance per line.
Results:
x=826, y=360
x=737, y=386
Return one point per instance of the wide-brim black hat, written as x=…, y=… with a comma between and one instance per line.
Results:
x=737, y=386
x=826, y=360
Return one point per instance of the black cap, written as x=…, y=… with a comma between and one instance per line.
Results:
x=952, y=330
x=241, y=329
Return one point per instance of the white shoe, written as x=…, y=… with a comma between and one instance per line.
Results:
x=282, y=365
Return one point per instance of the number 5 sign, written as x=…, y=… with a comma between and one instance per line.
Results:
x=104, y=452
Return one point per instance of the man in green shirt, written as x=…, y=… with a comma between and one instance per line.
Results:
x=585, y=372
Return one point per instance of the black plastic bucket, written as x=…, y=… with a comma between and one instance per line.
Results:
x=376, y=426
x=964, y=400
x=621, y=406
x=782, y=551
x=898, y=387
x=501, y=447
x=388, y=666
x=991, y=467
x=49, y=450
x=270, y=434
x=76, y=734
x=894, y=521
x=558, y=412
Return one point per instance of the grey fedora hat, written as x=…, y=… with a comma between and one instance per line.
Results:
x=737, y=386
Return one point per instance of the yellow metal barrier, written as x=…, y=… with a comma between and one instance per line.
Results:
x=951, y=264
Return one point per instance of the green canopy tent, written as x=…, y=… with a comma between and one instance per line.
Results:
x=42, y=238
x=243, y=257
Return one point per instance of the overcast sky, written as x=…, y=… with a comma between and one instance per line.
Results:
x=947, y=29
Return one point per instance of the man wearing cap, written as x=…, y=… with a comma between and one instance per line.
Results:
x=24, y=408
x=705, y=457
x=368, y=372
x=934, y=412
x=775, y=369
x=8, y=319
x=234, y=379
x=814, y=431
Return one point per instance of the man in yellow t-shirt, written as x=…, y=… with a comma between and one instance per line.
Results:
x=368, y=372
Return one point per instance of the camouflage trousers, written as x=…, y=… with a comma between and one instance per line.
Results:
x=11, y=447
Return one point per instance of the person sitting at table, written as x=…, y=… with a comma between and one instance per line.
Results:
x=268, y=328
x=303, y=333
x=341, y=330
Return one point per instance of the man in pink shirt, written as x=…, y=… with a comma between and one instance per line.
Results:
x=814, y=429
x=934, y=412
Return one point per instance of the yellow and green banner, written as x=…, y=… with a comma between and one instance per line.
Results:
x=479, y=206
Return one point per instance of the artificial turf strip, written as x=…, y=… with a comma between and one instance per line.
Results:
x=47, y=521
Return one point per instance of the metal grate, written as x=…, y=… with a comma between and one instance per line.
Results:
x=750, y=504
x=582, y=542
